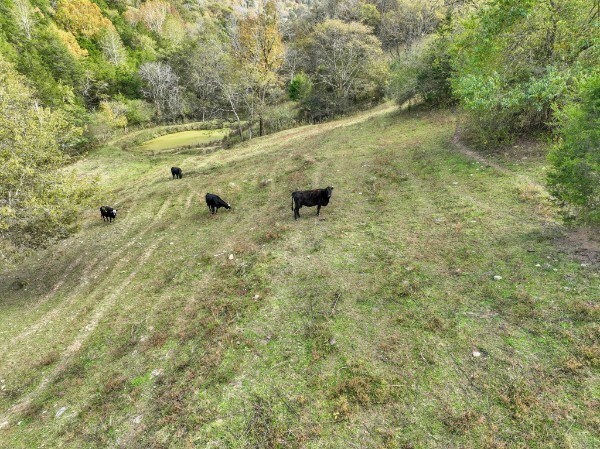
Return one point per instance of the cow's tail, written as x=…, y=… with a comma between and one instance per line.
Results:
x=292, y=201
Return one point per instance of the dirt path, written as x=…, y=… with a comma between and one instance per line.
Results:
x=581, y=243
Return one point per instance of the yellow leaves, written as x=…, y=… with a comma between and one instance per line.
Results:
x=113, y=114
x=81, y=17
x=259, y=45
x=68, y=39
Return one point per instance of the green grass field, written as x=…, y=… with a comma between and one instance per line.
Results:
x=432, y=305
x=183, y=138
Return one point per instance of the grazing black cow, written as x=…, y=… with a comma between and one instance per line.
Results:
x=310, y=198
x=214, y=202
x=176, y=172
x=108, y=213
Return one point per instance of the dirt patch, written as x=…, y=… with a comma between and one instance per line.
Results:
x=583, y=244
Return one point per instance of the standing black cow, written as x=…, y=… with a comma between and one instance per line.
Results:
x=214, y=202
x=108, y=213
x=176, y=172
x=310, y=198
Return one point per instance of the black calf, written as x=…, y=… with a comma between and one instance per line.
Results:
x=108, y=213
x=176, y=172
x=310, y=198
x=214, y=202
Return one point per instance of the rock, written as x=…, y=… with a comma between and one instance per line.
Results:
x=476, y=353
x=60, y=411
x=156, y=373
x=256, y=297
x=138, y=419
x=4, y=425
x=497, y=278
x=231, y=257
x=332, y=341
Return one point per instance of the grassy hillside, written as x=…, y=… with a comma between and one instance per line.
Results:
x=431, y=305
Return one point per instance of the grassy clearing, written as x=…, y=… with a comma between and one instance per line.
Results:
x=355, y=330
x=184, y=138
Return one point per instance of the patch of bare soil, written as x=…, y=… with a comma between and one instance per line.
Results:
x=583, y=244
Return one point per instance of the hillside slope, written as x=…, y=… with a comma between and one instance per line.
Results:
x=428, y=306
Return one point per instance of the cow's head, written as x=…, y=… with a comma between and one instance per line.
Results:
x=228, y=206
x=329, y=191
x=115, y=213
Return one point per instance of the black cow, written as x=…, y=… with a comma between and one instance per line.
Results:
x=214, y=202
x=310, y=198
x=108, y=213
x=176, y=172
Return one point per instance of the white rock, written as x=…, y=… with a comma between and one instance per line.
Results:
x=60, y=411
x=231, y=257
x=476, y=353
x=4, y=425
x=497, y=278
x=537, y=265
x=256, y=297
x=138, y=419
x=155, y=373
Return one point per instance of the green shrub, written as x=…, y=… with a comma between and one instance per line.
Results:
x=575, y=175
x=423, y=73
x=514, y=63
x=300, y=87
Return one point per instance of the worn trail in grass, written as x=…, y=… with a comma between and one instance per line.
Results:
x=379, y=325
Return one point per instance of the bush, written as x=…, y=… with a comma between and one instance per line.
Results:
x=423, y=73
x=300, y=87
x=138, y=112
x=575, y=175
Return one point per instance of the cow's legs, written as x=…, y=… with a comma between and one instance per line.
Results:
x=296, y=213
x=319, y=209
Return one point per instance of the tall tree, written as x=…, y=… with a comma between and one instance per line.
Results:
x=37, y=200
x=26, y=16
x=259, y=51
x=162, y=88
x=346, y=65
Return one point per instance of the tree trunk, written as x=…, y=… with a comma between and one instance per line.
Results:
x=261, y=130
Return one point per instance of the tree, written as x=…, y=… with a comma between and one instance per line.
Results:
x=26, y=16
x=259, y=52
x=70, y=42
x=81, y=17
x=408, y=23
x=575, y=174
x=152, y=14
x=162, y=88
x=346, y=66
x=300, y=87
x=112, y=46
x=201, y=65
x=514, y=62
x=38, y=201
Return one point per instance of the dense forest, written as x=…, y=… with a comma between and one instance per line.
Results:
x=75, y=73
